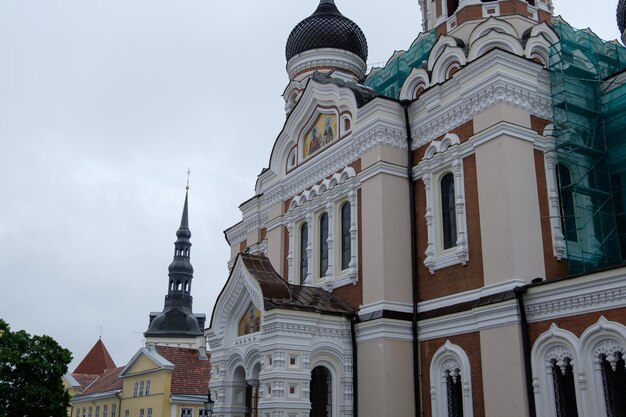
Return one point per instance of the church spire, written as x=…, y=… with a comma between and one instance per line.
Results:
x=177, y=318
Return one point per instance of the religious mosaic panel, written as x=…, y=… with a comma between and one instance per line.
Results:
x=250, y=322
x=321, y=134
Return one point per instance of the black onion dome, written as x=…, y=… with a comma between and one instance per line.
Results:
x=621, y=15
x=327, y=28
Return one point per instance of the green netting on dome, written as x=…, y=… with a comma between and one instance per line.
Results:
x=388, y=80
x=589, y=104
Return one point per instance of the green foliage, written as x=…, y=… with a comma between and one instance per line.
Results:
x=31, y=371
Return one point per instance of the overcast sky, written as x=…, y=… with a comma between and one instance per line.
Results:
x=104, y=104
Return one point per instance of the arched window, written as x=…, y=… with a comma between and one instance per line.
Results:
x=321, y=393
x=568, y=216
x=564, y=388
x=455, y=391
x=450, y=386
x=448, y=211
x=304, y=259
x=323, y=244
x=614, y=384
x=346, y=238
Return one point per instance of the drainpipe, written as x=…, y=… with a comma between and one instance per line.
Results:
x=415, y=288
x=519, y=295
x=355, y=367
x=119, y=411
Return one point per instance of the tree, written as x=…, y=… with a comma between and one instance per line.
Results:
x=31, y=371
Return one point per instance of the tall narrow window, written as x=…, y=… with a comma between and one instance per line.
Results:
x=455, y=394
x=323, y=244
x=304, y=259
x=568, y=215
x=614, y=381
x=113, y=409
x=448, y=211
x=346, y=239
x=452, y=6
x=148, y=387
x=321, y=394
x=564, y=389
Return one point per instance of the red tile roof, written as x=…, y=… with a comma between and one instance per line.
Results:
x=191, y=373
x=109, y=381
x=96, y=361
x=84, y=379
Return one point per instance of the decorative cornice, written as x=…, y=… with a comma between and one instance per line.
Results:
x=496, y=315
x=502, y=87
x=591, y=293
x=335, y=160
x=384, y=329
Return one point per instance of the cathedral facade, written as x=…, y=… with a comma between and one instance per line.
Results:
x=444, y=236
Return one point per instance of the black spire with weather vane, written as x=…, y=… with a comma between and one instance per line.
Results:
x=177, y=318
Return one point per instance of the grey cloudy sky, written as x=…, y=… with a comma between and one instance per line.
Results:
x=103, y=106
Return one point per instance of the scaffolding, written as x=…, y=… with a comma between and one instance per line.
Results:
x=589, y=105
x=388, y=81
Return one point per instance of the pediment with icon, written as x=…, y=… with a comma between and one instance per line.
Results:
x=323, y=132
x=250, y=322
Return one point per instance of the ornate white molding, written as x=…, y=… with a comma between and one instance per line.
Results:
x=333, y=161
x=440, y=158
x=326, y=58
x=240, y=231
x=431, y=119
x=594, y=292
x=384, y=329
x=450, y=360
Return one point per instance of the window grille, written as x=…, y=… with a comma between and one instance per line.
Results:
x=614, y=381
x=564, y=389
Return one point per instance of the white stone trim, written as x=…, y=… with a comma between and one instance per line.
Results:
x=475, y=320
x=559, y=247
x=384, y=329
x=327, y=197
x=555, y=344
x=591, y=293
x=603, y=338
x=450, y=358
x=469, y=295
x=528, y=89
x=440, y=158
x=385, y=305
x=326, y=57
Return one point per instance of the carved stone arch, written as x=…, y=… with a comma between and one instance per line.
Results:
x=346, y=174
x=603, y=339
x=547, y=32
x=450, y=357
x=418, y=77
x=234, y=360
x=329, y=350
x=494, y=40
x=438, y=48
x=450, y=56
x=548, y=131
x=450, y=139
x=495, y=24
x=538, y=47
x=241, y=289
x=435, y=147
x=251, y=358
x=557, y=345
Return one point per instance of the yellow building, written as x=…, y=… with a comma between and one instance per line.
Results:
x=168, y=377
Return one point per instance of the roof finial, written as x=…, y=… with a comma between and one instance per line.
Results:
x=188, y=175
